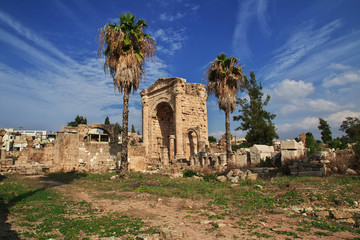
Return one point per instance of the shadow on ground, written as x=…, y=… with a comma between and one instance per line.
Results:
x=50, y=180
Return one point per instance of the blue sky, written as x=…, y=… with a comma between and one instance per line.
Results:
x=305, y=53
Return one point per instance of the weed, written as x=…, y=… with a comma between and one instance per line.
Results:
x=189, y=173
x=288, y=233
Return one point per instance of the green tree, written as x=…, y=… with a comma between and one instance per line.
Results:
x=311, y=143
x=78, y=120
x=325, y=130
x=118, y=127
x=254, y=118
x=133, y=129
x=125, y=48
x=212, y=139
x=224, y=81
x=351, y=126
x=107, y=121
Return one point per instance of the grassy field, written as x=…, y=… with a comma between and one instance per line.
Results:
x=88, y=206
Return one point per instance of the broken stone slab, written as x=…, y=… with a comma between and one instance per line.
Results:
x=322, y=214
x=234, y=179
x=337, y=214
x=221, y=179
x=230, y=174
x=350, y=171
x=147, y=237
x=237, y=172
x=252, y=176
x=167, y=233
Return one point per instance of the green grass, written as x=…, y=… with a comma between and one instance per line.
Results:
x=45, y=213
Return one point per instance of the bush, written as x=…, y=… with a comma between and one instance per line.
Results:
x=267, y=163
x=337, y=144
x=243, y=145
x=356, y=149
x=189, y=173
x=210, y=177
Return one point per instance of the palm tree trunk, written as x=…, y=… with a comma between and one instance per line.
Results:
x=228, y=136
x=125, y=138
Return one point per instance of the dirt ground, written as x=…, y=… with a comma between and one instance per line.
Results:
x=194, y=219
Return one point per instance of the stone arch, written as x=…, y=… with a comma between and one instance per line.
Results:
x=162, y=126
x=191, y=143
x=162, y=100
x=97, y=132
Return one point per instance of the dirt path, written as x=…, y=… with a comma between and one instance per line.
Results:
x=193, y=219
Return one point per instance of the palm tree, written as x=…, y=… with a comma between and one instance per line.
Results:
x=224, y=80
x=125, y=49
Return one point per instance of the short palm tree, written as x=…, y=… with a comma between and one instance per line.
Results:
x=125, y=49
x=224, y=80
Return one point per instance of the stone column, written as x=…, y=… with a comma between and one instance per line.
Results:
x=145, y=123
x=172, y=148
x=178, y=92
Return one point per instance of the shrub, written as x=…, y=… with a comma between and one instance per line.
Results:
x=189, y=173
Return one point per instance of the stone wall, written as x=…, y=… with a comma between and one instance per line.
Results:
x=174, y=120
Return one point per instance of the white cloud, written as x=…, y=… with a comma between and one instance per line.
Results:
x=168, y=17
x=305, y=125
x=346, y=77
x=58, y=87
x=292, y=90
x=169, y=40
x=248, y=10
x=337, y=118
x=217, y=134
x=301, y=42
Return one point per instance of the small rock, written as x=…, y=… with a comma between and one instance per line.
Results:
x=237, y=172
x=230, y=174
x=308, y=209
x=234, y=186
x=340, y=214
x=205, y=222
x=168, y=233
x=221, y=179
x=212, y=214
x=147, y=237
x=347, y=220
x=114, y=177
x=221, y=225
x=322, y=214
x=350, y=171
x=252, y=176
x=259, y=187
x=234, y=179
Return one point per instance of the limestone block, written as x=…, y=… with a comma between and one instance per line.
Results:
x=350, y=171
x=221, y=179
x=291, y=145
x=237, y=172
x=234, y=179
x=337, y=214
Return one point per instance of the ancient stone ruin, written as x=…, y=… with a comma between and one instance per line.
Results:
x=174, y=121
x=175, y=137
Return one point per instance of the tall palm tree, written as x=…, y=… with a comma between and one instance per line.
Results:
x=125, y=49
x=224, y=80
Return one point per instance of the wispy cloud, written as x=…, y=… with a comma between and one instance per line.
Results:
x=168, y=17
x=346, y=75
x=247, y=12
x=58, y=86
x=302, y=42
x=169, y=40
